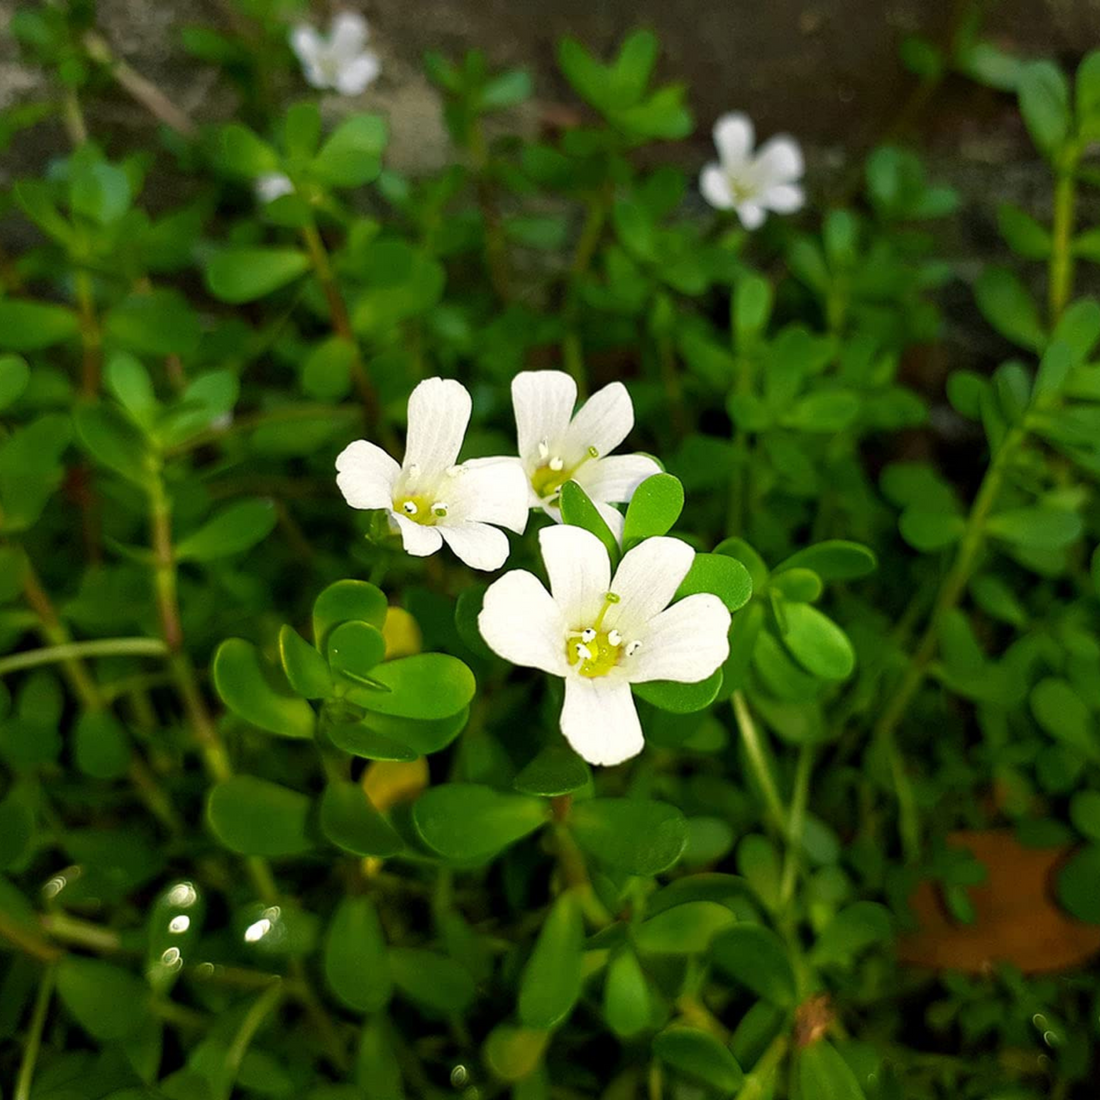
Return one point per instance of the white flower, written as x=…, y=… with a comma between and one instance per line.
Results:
x=555, y=446
x=602, y=634
x=272, y=185
x=341, y=61
x=430, y=499
x=752, y=184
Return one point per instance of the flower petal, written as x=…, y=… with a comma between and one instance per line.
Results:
x=543, y=402
x=306, y=43
x=418, y=540
x=779, y=161
x=615, y=478
x=439, y=410
x=477, y=544
x=579, y=571
x=490, y=490
x=685, y=642
x=752, y=214
x=613, y=518
x=714, y=186
x=348, y=33
x=366, y=475
x=520, y=622
x=784, y=198
x=355, y=75
x=646, y=581
x=733, y=138
x=600, y=721
x=603, y=422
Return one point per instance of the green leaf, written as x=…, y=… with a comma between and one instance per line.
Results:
x=653, y=510
x=13, y=572
x=752, y=306
x=723, y=575
x=361, y=740
x=699, y=1056
x=927, y=530
x=1062, y=714
x=354, y=649
x=432, y=981
x=426, y=685
x=258, y=818
x=514, y=1054
x=627, y=1006
x=352, y=155
x=1087, y=96
x=16, y=829
x=633, y=836
x=833, y=560
x=101, y=748
x=470, y=822
x=816, y=642
x=250, y=688
x=1084, y=812
x=505, y=90
x=555, y=771
x=1044, y=103
x=683, y=929
x=305, y=668
x=108, y=1002
x=577, y=509
x=155, y=322
x=326, y=373
x=1036, y=528
x=347, y=601
x=551, y=981
x=1054, y=370
x=1022, y=233
x=239, y=275
x=172, y=931
x=130, y=384
x=1079, y=884
x=852, y=930
x=97, y=190
x=757, y=958
x=245, y=154
x=350, y=821
x=14, y=376
x=112, y=441
x=1007, y=306
x=355, y=964
x=420, y=736
x=825, y=411
x=233, y=530
x=678, y=697
x=824, y=1075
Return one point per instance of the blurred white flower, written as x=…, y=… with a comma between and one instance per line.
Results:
x=602, y=634
x=752, y=184
x=273, y=185
x=555, y=446
x=430, y=499
x=341, y=61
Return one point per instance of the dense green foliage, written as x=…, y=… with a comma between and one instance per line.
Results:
x=263, y=835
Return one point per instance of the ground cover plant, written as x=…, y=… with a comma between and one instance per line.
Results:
x=513, y=631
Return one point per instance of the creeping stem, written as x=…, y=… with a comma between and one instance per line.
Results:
x=34, y=1036
x=758, y=761
x=950, y=592
x=1060, y=269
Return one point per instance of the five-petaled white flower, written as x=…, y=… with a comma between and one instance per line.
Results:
x=752, y=184
x=272, y=185
x=603, y=634
x=341, y=61
x=430, y=498
x=555, y=446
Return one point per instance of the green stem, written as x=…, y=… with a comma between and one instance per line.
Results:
x=740, y=471
x=796, y=825
x=757, y=1084
x=758, y=761
x=101, y=647
x=264, y=1004
x=496, y=247
x=34, y=1036
x=1060, y=270
x=950, y=592
x=572, y=350
x=81, y=932
x=284, y=414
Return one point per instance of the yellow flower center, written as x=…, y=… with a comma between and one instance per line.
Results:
x=593, y=651
x=548, y=478
x=420, y=509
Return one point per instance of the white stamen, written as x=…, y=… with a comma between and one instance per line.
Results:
x=614, y=638
x=588, y=635
x=633, y=648
x=593, y=452
x=583, y=652
x=439, y=509
x=556, y=464
x=410, y=508
x=544, y=449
